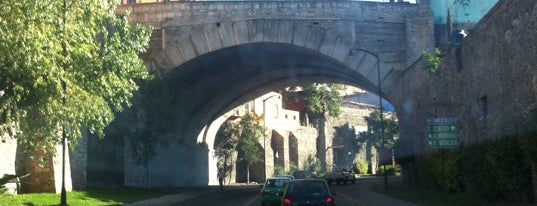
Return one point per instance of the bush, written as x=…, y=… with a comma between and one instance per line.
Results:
x=499, y=170
x=279, y=170
x=360, y=167
x=390, y=169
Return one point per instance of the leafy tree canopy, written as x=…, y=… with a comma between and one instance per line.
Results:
x=320, y=99
x=374, y=134
x=65, y=65
x=248, y=138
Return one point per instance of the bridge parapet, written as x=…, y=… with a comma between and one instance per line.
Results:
x=191, y=13
x=398, y=33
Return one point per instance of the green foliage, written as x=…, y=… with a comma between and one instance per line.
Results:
x=92, y=196
x=227, y=144
x=380, y=134
x=279, y=170
x=496, y=170
x=248, y=144
x=313, y=165
x=433, y=60
x=361, y=167
x=390, y=169
x=292, y=168
x=65, y=68
x=323, y=98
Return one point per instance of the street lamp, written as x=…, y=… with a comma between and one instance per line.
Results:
x=333, y=147
x=265, y=130
x=376, y=55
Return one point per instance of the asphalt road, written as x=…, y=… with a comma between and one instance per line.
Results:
x=358, y=194
x=345, y=196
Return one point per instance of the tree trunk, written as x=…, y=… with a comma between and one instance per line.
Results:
x=248, y=174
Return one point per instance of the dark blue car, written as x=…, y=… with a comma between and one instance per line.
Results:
x=310, y=192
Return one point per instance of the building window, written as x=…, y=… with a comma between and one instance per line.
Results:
x=483, y=105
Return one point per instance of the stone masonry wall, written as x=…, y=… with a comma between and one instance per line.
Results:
x=489, y=82
x=352, y=117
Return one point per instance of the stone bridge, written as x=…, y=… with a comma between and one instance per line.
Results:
x=217, y=55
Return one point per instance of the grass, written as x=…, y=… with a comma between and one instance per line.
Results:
x=86, y=197
x=433, y=198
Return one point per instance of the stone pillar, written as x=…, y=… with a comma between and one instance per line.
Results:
x=285, y=154
x=269, y=158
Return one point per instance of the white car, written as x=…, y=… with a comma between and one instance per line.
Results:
x=285, y=176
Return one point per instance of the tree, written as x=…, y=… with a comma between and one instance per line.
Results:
x=248, y=145
x=374, y=134
x=226, y=143
x=66, y=65
x=323, y=99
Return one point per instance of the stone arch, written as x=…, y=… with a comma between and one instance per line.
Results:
x=216, y=82
x=334, y=38
x=209, y=80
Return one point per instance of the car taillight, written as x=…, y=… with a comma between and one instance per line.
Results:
x=286, y=202
x=329, y=201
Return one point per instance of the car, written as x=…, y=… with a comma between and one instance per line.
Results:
x=272, y=190
x=302, y=174
x=340, y=177
x=310, y=192
x=285, y=176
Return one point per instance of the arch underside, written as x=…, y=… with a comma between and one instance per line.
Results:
x=216, y=82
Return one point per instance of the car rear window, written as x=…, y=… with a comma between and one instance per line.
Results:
x=307, y=188
x=277, y=182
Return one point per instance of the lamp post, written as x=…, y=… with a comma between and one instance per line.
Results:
x=265, y=131
x=376, y=55
x=333, y=147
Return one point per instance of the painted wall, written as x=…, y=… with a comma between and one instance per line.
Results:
x=462, y=11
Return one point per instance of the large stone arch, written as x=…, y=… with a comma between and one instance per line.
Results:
x=213, y=83
x=215, y=66
x=196, y=49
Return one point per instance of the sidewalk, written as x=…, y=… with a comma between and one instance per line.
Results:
x=367, y=197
